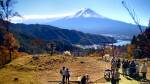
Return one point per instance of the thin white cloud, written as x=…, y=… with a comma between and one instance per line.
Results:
x=36, y=17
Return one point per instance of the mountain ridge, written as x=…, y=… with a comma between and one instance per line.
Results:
x=96, y=25
x=88, y=21
x=47, y=32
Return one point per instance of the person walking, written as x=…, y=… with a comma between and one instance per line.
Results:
x=63, y=74
x=144, y=70
x=67, y=74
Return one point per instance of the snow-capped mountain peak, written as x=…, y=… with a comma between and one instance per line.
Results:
x=87, y=12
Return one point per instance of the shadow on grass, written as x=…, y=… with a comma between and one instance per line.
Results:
x=137, y=77
x=128, y=78
x=134, y=77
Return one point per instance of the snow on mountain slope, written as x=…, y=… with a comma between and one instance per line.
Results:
x=86, y=12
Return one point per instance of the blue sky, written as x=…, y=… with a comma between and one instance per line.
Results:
x=109, y=8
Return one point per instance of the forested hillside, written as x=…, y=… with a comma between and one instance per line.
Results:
x=35, y=38
x=46, y=32
x=141, y=44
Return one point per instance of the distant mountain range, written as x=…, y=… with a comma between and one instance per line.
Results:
x=51, y=33
x=88, y=21
x=33, y=38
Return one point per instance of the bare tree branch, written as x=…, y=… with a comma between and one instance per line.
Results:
x=133, y=15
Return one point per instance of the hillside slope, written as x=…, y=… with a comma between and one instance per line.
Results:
x=46, y=32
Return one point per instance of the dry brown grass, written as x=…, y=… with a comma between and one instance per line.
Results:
x=43, y=69
x=78, y=66
x=17, y=72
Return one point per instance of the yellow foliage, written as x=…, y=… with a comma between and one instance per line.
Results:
x=4, y=56
x=10, y=41
x=130, y=48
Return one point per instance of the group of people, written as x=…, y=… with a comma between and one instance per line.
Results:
x=129, y=68
x=115, y=75
x=65, y=75
x=133, y=68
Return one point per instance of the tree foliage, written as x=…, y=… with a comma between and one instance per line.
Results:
x=8, y=50
x=142, y=44
x=8, y=43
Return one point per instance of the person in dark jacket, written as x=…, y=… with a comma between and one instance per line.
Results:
x=118, y=63
x=83, y=80
x=132, y=69
x=67, y=74
x=124, y=68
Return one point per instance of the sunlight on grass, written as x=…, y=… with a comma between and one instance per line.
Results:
x=9, y=76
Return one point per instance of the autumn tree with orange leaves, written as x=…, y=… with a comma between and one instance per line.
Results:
x=10, y=43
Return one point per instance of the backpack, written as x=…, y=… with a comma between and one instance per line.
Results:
x=60, y=71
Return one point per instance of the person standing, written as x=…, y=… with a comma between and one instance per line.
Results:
x=63, y=74
x=144, y=70
x=118, y=64
x=124, y=68
x=67, y=74
x=137, y=67
x=128, y=67
x=83, y=80
x=112, y=78
x=114, y=65
x=115, y=77
x=132, y=69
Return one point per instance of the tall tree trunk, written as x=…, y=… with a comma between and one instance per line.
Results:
x=10, y=55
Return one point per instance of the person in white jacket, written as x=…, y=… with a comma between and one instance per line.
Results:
x=63, y=74
x=143, y=69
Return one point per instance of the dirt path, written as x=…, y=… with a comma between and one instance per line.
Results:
x=91, y=66
x=29, y=71
x=85, y=65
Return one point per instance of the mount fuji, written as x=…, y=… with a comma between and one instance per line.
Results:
x=88, y=21
x=86, y=12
